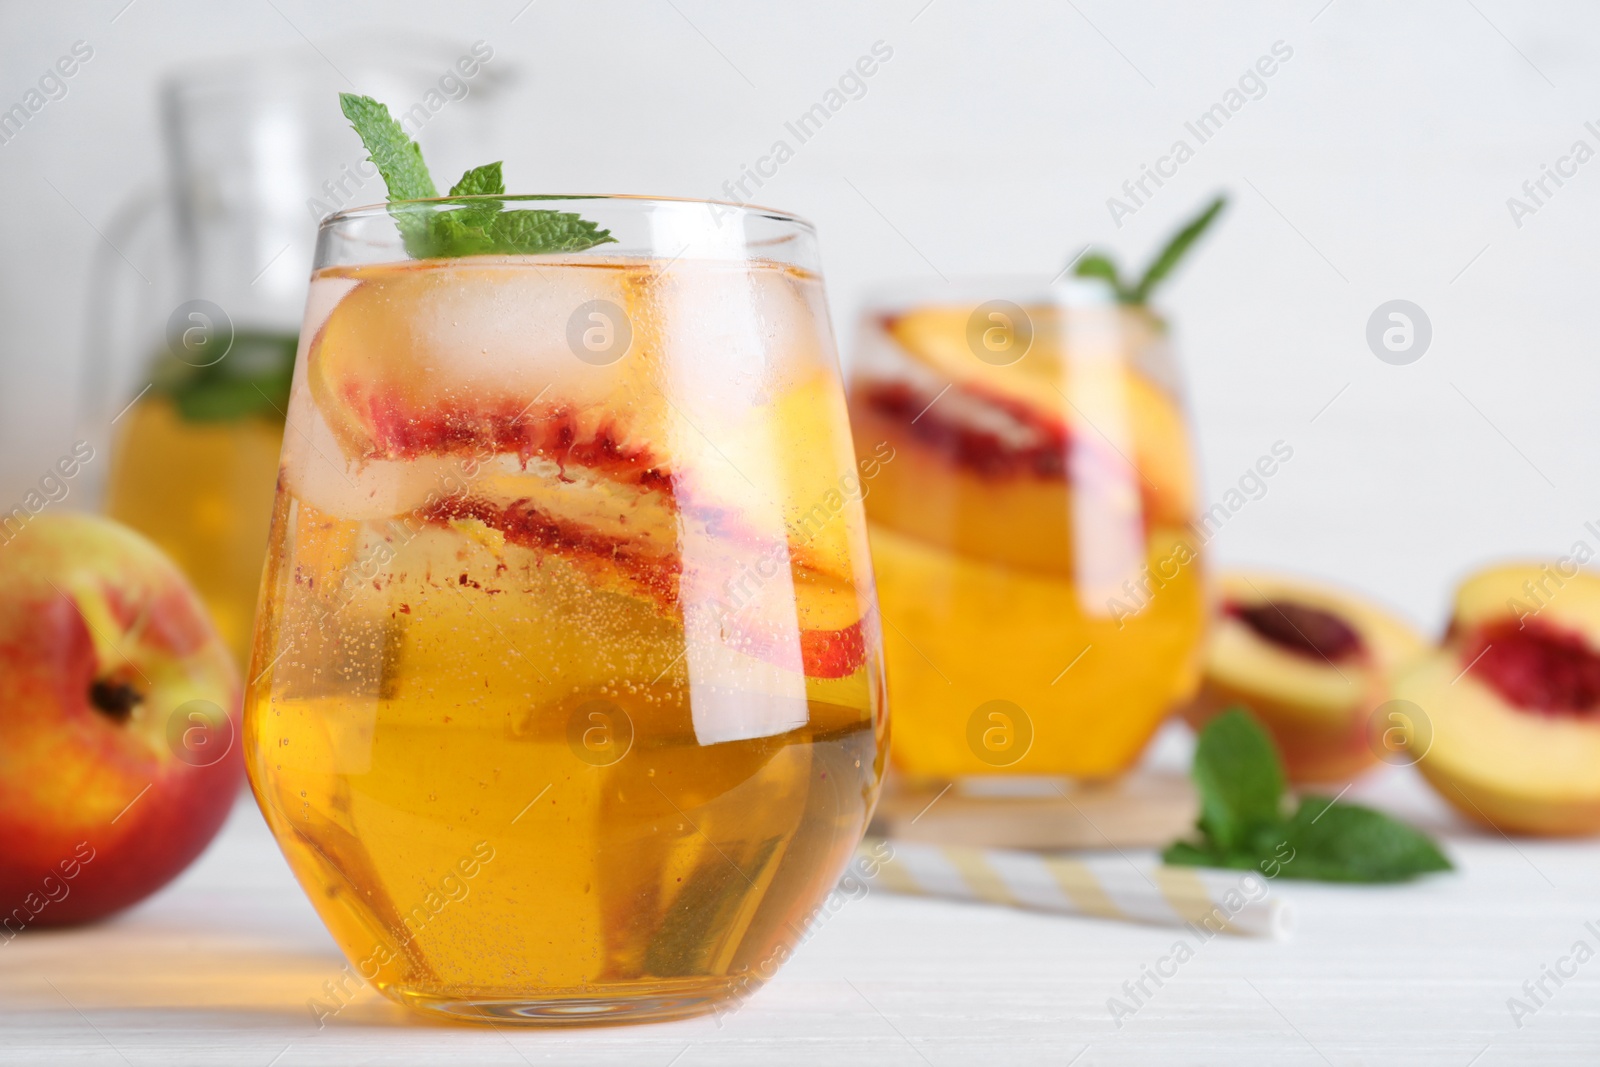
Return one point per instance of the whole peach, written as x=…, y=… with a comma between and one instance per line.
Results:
x=119, y=722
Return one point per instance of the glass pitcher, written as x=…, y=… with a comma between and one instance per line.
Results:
x=190, y=360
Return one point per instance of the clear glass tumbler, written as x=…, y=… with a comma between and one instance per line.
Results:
x=1032, y=525
x=567, y=702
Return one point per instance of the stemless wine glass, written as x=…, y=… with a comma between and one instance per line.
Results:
x=1032, y=525
x=567, y=700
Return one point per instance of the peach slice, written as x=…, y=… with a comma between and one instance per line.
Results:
x=1311, y=661
x=1014, y=463
x=1079, y=384
x=1511, y=700
x=995, y=479
x=950, y=492
x=452, y=393
x=427, y=358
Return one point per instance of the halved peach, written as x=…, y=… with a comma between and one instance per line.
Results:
x=1311, y=661
x=1512, y=701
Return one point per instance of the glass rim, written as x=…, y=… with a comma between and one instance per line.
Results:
x=1070, y=291
x=363, y=211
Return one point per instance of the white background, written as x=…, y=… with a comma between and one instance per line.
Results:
x=1377, y=166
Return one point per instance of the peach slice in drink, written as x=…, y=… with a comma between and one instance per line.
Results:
x=451, y=392
x=1071, y=385
x=1030, y=455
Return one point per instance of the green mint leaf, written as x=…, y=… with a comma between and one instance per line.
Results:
x=1193, y=854
x=1175, y=250
x=1240, y=780
x=397, y=157
x=251, y=380
x=459, y=233
x=481, y=228
x=471, y=232
x=1206, y=854
x=480, y=181
x=545, y=231
x=462, y=230
x=399, y=160
x=1324, y=842
x=1350, y=843
x=1097, y=264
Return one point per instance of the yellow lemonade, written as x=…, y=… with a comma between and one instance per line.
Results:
x=201, y=490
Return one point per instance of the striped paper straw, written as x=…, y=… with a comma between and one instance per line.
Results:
x=1217, y=902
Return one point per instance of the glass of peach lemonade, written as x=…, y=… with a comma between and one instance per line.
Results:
x=567, y=702
x=1030, y=519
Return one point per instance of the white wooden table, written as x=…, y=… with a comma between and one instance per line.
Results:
x=217, y=969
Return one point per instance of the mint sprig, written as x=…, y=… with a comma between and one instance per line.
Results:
x=1242, y=823
x=484, y=227
x=1098, y=264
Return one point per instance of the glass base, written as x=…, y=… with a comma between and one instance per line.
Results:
x=644, y=1002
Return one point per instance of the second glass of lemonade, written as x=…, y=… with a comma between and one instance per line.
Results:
x=1031, y=511
x=568, y=704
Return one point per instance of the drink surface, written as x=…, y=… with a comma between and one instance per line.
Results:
x=1035, y=560
x=569, y=688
